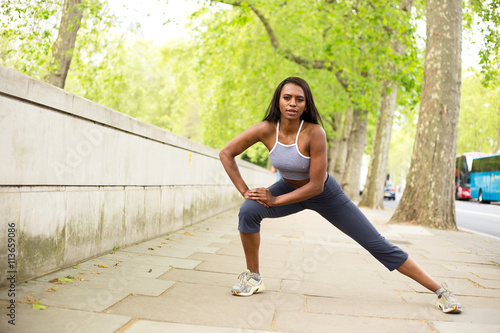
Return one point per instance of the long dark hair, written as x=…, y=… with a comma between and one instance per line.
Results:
x=310, y=114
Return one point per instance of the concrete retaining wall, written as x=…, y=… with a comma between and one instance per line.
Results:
x=77, y=179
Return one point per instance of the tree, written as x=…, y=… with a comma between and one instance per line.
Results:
x=487, y=15
x=356, y=146
x=26, y=35
x=63, y=47
x=39, y=37
x=373, y=192
x=156, y=84
x=239, y=75
x=483, y=103
x=479, y=122
x=341, y=154
x=428, y=198
x=402, y=141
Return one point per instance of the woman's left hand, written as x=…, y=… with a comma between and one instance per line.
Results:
x=262, y=195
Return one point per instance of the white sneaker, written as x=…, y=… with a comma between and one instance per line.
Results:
x=248, y=284
x=447, y=302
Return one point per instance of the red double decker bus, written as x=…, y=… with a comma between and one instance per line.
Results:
x=462, y=174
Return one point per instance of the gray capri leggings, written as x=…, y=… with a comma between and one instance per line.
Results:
x=334, y=206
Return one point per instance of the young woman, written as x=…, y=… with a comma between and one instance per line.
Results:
x=297, y=149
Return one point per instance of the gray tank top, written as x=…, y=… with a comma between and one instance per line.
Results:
x=288, y=160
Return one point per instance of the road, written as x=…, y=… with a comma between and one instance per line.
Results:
x=471, y=215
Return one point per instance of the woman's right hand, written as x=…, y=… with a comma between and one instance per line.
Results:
x=262, y=195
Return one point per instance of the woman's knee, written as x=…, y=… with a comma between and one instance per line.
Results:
x=387, y=253
x=250, y=216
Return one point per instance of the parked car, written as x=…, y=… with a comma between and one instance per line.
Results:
x=390, y=191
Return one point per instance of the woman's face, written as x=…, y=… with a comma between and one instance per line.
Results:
x=292, y=101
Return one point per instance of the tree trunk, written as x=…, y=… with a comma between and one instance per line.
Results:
x=373, y=195
x=63, y=47
x=340, y=160
x=333, y=147
x=357, y=141
x=334, y=142
x=429, y=195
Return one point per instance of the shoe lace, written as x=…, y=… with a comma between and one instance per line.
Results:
x=448, y=294
x=243, y=278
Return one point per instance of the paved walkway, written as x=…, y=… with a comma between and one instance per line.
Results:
x=317, y=280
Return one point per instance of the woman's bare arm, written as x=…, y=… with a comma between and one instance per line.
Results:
x=237, y=146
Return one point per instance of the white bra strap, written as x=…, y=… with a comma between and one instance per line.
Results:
x=300, y=127
x=277, y=130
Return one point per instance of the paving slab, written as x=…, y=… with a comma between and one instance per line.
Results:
x=174, y=251
x=213, y=266
x=191, y=239
x=315, y=322
x=491, y=272
x=467, y=301
x=114, y=268
x=153, y=260
x=462, y=287
x=197, y=276
x=142, y=286
x=463, y=327
x=485, y=283
x=238, y=262
x=74, y=295
x=142, y=326
x=60, y=320
x=375, y=308
x=200, y=305
x=283, y=250
x=317, y=280
x=367, y=292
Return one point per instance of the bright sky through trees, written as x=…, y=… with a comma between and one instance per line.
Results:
x=159, y=20
x=162, y=20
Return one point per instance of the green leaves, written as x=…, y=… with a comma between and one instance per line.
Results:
x=221, y=81
x=479, y=122
x=38, y=306
x=29, y=30
x=485, y=17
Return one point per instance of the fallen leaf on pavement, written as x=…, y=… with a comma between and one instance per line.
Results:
x=66, y=279
x=30, y=299
x=38, y=306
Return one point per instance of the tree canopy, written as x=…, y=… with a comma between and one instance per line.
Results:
x=218, y=81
